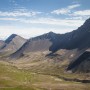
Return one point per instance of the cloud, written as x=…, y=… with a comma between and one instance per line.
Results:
x=9, y=19
x=73, y=6
x=19, y=12
x=52, y=21
x=73, y=14
x=75, y=18
x=49, y=21
x=65, y=10
x=61, y=11
x=81, y=13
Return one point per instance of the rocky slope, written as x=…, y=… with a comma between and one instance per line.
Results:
x=81, y=64
x=12, y=44
x=2, y=44
x=40, y=43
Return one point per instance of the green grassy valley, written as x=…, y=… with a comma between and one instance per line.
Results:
x=12, y=78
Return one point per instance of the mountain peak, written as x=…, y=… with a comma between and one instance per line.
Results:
x=10, y=38
x=14, y=35
x=51, y=32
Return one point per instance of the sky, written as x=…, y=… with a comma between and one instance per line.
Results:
x=30, y=18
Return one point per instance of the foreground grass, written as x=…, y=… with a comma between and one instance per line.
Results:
x=12, y=78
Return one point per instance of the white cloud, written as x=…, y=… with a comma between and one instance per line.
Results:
x=49, y=21
x=20, y=12
x=65, y=10
x=81, y=13
x=73, y=6
x=73, y=14
x=75, y=18
x=61, y=11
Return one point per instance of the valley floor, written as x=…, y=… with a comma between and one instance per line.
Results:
x=12, y=78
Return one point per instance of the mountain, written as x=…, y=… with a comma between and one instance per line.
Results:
x=12, y=44
x=2, y=44
x=82, y=62
x=77, y=39
x=71, y=46
x=40, y=43
x=75, y=43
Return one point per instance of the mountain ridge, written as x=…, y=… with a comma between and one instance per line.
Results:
x=60, y=47
x=71, y=40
